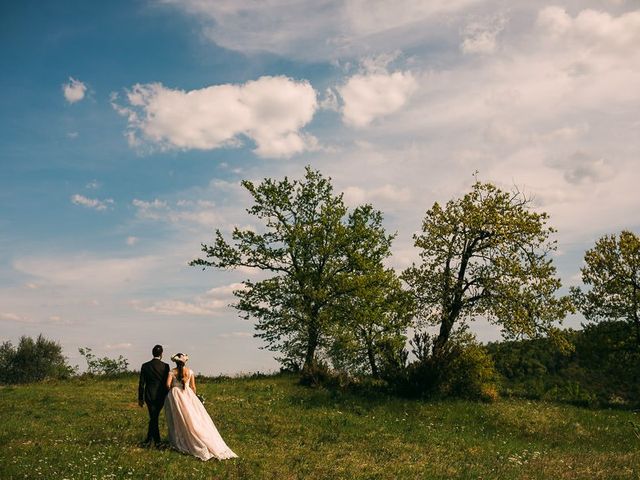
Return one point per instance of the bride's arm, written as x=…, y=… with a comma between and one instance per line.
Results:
x=192, y=382
x=169, y=378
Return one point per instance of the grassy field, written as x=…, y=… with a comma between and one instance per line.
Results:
x=90, y=428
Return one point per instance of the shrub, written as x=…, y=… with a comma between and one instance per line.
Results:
x=32, y=361
x=462, y=369
x=468, y=372
x=317, y=374
x=105, y=366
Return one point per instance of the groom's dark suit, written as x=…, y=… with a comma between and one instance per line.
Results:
x=152, y=389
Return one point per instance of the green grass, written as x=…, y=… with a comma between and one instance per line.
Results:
x=91, y=428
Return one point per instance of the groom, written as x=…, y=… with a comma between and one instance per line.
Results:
x=152, y=390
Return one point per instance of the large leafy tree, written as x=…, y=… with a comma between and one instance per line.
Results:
x=314, y=247
x=486, y=254
x=612, y=275
x=374, y=319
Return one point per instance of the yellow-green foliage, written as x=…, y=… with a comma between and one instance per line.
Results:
x=471, y=373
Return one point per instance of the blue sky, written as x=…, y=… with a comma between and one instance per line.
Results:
x=127, y=126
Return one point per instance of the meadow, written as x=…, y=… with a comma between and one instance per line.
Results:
x=91, y=428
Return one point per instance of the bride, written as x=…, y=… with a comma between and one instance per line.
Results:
x=191, y=429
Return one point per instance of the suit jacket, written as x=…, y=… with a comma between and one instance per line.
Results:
x=152, y=387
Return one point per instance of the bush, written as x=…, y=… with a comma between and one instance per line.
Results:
x=105, y=366
x=318, y=374
x=468, y=372
x=462, y=369
x=32, y=361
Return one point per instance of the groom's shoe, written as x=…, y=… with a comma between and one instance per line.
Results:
x=145, y=444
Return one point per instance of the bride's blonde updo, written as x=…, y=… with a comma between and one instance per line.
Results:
x=180, y=359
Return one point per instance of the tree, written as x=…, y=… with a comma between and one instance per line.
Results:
x=374, y=318
x=314, y=247
x=486, y=254
x=32, y=360
x=612, y=273
x=104, y=366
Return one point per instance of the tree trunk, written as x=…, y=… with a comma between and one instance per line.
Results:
x=453, y=305
x=636, y=320
x=372, y=361
x=445, y=331
x=443, y=337
x=312, y=342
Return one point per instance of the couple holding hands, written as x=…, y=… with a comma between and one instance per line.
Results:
x=191, y=429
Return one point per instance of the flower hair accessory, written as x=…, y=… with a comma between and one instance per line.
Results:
x=180, y=357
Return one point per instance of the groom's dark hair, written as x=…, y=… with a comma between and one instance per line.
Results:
x=157, y=350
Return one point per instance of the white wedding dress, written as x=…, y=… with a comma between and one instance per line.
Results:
x=191, y=429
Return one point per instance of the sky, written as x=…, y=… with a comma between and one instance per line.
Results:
x=127, y=126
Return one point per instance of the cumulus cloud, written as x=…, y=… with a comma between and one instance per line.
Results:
x=93, y=203
x=74, y=90
x=270, y=111
x=371, y=95
x=386, y=193
x=592, y=28
x=329, y=101
x=213, y=302
x=183, y=211
x=327, y=29
x=581, y=167
x=480, y=36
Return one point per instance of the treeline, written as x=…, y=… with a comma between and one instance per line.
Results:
x=603, y=368
x=331, y=307
x=34, y=360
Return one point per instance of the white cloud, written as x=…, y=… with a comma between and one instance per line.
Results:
x=58, y=320
x=118, y=346
x=369, y=96
x=93, y=203
x=480, y=36
x=370, y=17
x=14, y=317
x=225, y=290
x=214, y=302
x=329, y=101
x=387, y=193
x=132, y=240
x=85, y=272
x=74, y=90
x=581, y=167
x=271, y=111
x=180, y=307
x=593, y=28
x=310, y=29
x=199, y=212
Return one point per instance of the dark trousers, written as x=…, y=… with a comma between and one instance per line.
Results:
x=154, y=431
